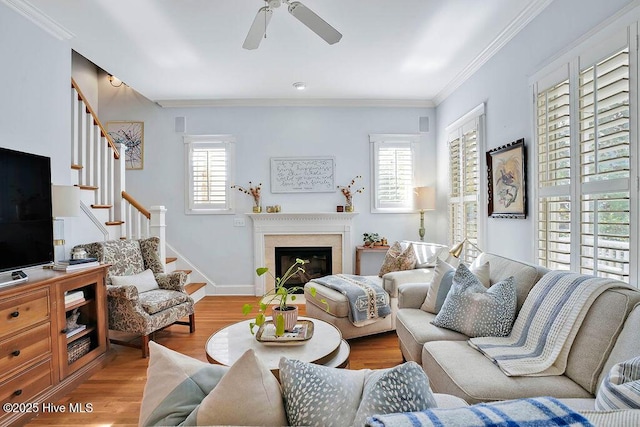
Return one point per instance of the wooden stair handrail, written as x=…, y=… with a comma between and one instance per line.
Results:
x=136, y=204
x=116, y=153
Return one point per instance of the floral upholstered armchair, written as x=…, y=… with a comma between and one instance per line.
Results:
x=141, y=298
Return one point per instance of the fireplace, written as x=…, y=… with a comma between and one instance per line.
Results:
x=318, y=263
x=301, y=230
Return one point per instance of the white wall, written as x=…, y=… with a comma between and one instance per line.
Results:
x=34, y=98
x=224, y=252
x=503, y=84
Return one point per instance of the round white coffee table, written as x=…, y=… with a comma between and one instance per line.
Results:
x=325, y=347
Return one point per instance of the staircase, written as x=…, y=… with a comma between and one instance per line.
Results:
x=100, y=170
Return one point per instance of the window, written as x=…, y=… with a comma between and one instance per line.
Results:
x=209, y=168
x=584, y=163
x=393, y=168
x=465, y=144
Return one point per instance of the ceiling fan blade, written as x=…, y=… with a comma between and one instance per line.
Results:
x=258, y=28
x=314, y=22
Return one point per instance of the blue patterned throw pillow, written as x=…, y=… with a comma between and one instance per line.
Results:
x=321, y=396
x=476, y=311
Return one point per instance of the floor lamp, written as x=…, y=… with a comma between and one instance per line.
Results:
x=65, y=202
x=424, y=200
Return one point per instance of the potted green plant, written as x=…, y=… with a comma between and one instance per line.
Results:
x=370, y=239
x=284, y=316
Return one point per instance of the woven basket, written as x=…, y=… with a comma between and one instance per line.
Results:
x=77, y=349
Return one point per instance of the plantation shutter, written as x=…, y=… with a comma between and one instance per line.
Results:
x=209, y=174
x=604, y=166
x=393, y=169
x=585, y=164
x=554, y=176
x=464, y=176
x=395, y=174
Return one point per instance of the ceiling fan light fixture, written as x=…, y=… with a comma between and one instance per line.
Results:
x=300, y=85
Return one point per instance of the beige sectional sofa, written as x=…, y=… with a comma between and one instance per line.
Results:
x=608, y=335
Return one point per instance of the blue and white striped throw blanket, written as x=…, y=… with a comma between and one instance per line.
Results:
x=546, y=326
x=539, y=411
x=367, y=300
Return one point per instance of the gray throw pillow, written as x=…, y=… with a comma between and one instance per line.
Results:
x=475, y=311
x=316, y=395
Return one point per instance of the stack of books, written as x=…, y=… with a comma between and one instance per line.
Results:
x=75, y=264
x=76, y=330
x=73, y=297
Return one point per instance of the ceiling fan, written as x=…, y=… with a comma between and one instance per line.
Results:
x=299, y=11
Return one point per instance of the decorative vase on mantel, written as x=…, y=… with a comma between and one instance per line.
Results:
x=257, y=208
x=348, y=207
x=290, y=316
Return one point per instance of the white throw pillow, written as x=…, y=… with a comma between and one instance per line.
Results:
x=144, y=281
x=247, y=378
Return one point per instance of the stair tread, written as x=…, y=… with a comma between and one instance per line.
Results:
x=185, y=270
x=114, y=222
x=86, y=187
x=170, y=259
x=101, y=206
x=194, y=286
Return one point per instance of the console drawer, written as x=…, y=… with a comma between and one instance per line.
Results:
x=22, y=349
x=21, y=312
x=24, y=387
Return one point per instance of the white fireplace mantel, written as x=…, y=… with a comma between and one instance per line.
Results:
x=295, y=224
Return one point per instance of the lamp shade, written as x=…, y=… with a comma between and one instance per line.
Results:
x=65, y=200
x=425, y=198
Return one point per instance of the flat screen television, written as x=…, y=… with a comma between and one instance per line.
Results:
x=26, y=223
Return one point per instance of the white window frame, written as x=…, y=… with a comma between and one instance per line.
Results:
x=377, y=141
x=205, y=141
x=602, y=41
x=474, y=118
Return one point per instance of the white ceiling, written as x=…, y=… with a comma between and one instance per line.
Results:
x=414, y=51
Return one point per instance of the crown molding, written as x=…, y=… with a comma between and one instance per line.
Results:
x=36, y=16
x=521, y=21
x=290, y=102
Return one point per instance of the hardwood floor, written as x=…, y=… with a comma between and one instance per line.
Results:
x=115, y=392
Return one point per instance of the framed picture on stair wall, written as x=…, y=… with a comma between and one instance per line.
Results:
x=507, y=178
x=129, y=137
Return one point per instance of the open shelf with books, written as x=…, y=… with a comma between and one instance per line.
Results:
x=83, y=327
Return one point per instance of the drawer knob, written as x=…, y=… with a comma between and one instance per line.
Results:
x=16, y=352
x=17, y=392
x=15, y=314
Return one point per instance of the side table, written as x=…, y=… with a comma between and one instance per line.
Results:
x=361, y=249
